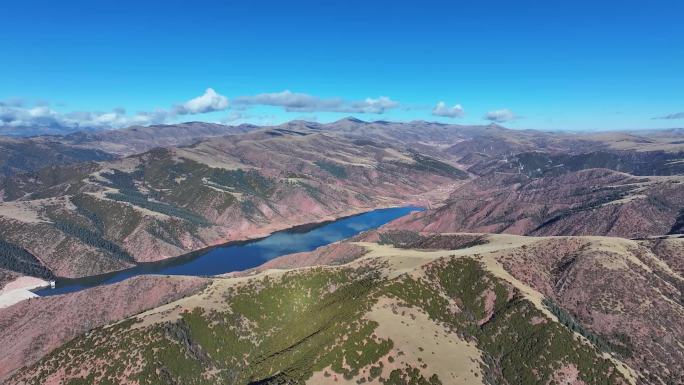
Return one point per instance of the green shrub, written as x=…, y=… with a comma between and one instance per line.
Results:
x=332, y=168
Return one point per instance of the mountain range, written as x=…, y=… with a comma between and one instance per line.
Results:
x=539, y=257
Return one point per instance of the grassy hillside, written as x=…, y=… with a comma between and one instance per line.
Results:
x=391, y=317
x=587, y=202
x=92, y=218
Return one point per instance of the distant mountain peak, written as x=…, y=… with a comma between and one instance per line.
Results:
x=495, y=126
x=351, y=119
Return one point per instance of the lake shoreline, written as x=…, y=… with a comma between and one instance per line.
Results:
x=21, y=289
x=150, y=268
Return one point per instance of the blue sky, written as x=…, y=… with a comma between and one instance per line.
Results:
x=581, y=65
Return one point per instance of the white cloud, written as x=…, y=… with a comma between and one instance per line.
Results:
x=300, y=102
x=373, y=106
x=291, y=101
x=43, y=116
x=18, y=117
x=441, y=109
x=677, y=115
x=209, y=102
x=500, y=116
x=15, y=113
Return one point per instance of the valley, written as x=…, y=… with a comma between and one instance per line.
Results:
x=521, y=256
x=242, y=255
x=341, y=192
x=170, y=201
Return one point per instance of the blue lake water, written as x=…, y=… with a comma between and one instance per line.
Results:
x=236, y=256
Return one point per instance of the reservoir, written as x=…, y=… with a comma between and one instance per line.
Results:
x=243, y=255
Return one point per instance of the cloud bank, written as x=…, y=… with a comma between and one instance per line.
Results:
x=441, y=109
x=46, y=117
x=300, y=102
x=15, y=115
x=500, y=116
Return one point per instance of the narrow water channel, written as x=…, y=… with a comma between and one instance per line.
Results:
x=236, y=256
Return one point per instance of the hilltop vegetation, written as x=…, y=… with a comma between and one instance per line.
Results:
x=489, y=309
x=538, y=164
x=330, y=324
x=587, y=202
